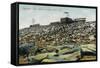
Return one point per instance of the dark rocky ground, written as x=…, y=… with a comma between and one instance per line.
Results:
x=58, y=42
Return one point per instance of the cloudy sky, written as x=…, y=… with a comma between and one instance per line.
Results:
x=43, y=15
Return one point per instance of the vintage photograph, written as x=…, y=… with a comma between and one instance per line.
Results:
x=50, y=34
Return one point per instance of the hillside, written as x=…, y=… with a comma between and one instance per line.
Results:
x=62, y=38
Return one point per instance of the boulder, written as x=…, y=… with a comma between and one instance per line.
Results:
x=49, y=60
x=64, y=51
x=71, y=57
x=89, y=48
x=40, y=56
x=67, y=57
x=69, y=50
x=51, y=54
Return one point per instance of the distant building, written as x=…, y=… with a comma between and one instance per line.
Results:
x=54, y=23
x=35, y=25
x=80, y=20
x=66, y=20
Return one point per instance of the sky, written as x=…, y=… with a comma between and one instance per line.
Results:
x=44, y=15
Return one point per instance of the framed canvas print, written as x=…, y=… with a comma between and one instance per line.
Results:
x=52, y=33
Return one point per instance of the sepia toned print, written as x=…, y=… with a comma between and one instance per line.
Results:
x=49, y=34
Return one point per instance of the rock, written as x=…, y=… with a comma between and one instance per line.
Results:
x=40, y=56
x=69, y=50
x=22, y=60
x=52, y=54
x=43, y=51
x=27, y=49
x=51, y=48
x=92, y=37
x=49, y=60
x=63, y=51
x=71, y=57
x=67, y=57
x=32, y=60
x=88, y=58
x=89, y=48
